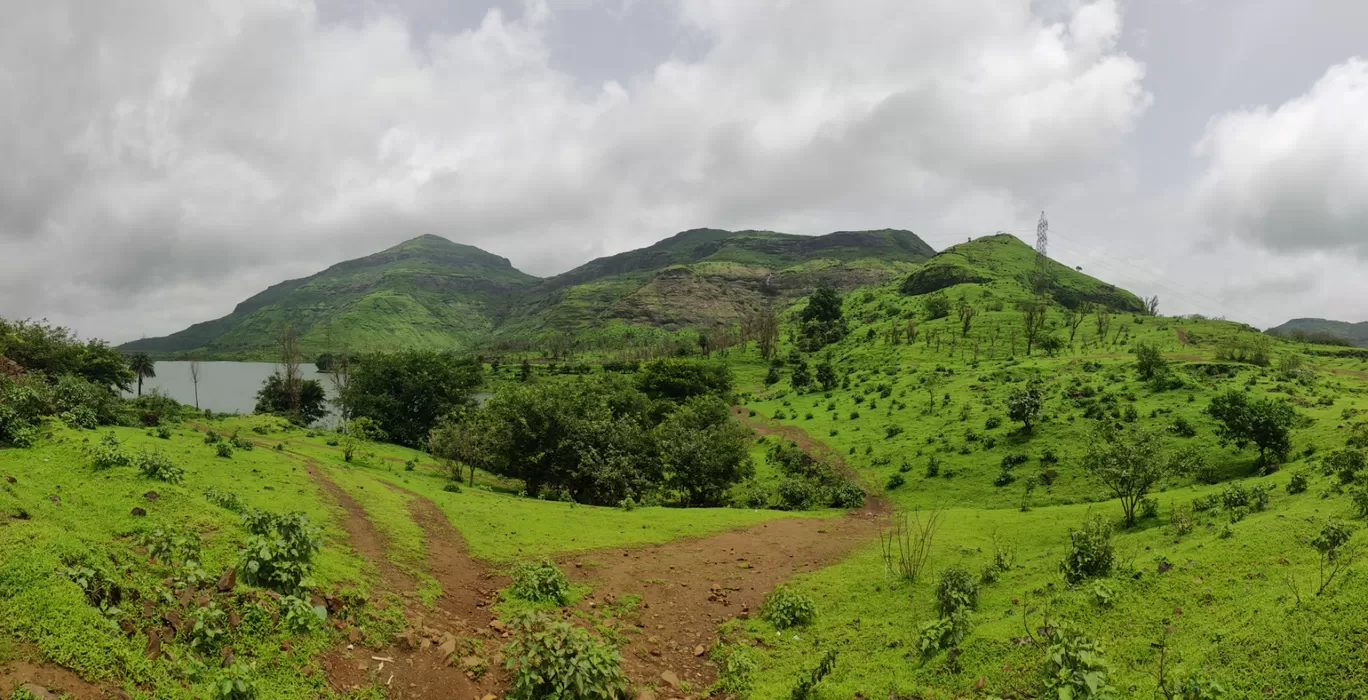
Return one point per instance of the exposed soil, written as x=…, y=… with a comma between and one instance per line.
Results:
x=1182, y=335
x=425, y=660
x=689, y=587
x=55, y=680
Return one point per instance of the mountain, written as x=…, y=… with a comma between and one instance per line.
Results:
x=425, y=292
x=710, y=277
x=1311, y=328
x=1005, y=265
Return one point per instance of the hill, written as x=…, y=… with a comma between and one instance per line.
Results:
x=425, y=292
x=709, y=277
x=1355, y=333
x=1003, y=265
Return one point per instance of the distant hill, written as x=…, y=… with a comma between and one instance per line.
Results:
x=426, y=292
x=710, y=277
x=432, y=293
x=1311, y=328
x=1005, y=264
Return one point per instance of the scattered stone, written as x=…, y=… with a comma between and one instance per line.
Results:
x=151, y=495
x=699, y=650
x=447, y=647
x=497, y=625
x=490, y=696
x=228, y=581
x=137, y=512
x=354, y=635
x=39, y=691
x=670, y=679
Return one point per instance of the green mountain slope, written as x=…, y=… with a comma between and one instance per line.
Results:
x=426, y=292
x=1004, y=264
x=709, y=277
x=1356, y=333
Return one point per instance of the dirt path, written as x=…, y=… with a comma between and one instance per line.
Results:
x=415, y=664
x=689, y=587
x=47, y=681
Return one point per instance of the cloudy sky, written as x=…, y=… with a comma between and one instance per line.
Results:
x=164, y=159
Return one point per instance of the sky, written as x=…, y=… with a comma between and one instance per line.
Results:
x=165, y=159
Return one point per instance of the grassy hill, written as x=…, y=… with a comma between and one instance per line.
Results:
x=1355, y=333
x=432, y=293
x=707, y=277
x=427, y=292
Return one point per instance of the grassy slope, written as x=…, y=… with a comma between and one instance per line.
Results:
x=1356, y=333
x=1226, y=597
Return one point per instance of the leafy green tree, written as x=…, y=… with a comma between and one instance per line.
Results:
x=1132, y=462
x=826, y=374
x=1266, y=423
x=772, y=377
x=821, y=322
x=1149, y=362
x=406, y=392
x=703, y=451
x=462, y=438
x=143, y=367
x=936, y=305
x=1025, y=405
x=679, y=380
x=274, y=398
x=800, y=379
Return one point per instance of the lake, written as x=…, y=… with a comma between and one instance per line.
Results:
x=223, y=386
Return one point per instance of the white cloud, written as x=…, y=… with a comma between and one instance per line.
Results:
x=1295, y=177
x=163, y=154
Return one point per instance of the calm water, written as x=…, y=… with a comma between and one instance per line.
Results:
x=223, y=386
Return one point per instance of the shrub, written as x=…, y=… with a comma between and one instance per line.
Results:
x=992, y=423
x=847, y=495
x=1359, y=497
x=1149, y=508
x=225, y=499
x=539, y=582
x=241, y=443
x=211, y=436
x=1183, y=428
x=1346, y=464
x=956, y=590
x=895, y=481
x=1299, y=483
x=1074, y=666
x=1014, y=460
x=1004, y=478
x=796, y=494
x=107, y=453
x=234, y=683
x=943, y=633
x=300, y=615
x=785, y=608
x=1237, y=496
x=933, y=467
x=1090, y=552
x=736, y=668
x=164, y=433
x=155, y=465
x=224, y=450
x=551, y=659
x=279, y=555
x=892, y=431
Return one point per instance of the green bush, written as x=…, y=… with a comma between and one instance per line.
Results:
x=896, y=480
x=847, y=495
x=1299, y=483
x=1090, y=552
x=736, y=667
x=155, y=465
x=785, y=608
x=107, y=453
x=164, y=433
x=279, y=555
x=211, y=437
x=224, y=450
x=241, y=443
x=234, y=683
x=796, y=494
x=540, y=582
x=956, y=590
x=1074, y=666
x=559, y=660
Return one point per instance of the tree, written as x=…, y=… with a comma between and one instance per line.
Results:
x=821, y=322
x=275, y=398
x=932, y=383
x=1152, y=305
x=678, y=380
x=1266, y=423
x=290, y=359
x=525, y=371
x=766, y=329
x=826, y=374
x=1033, y=314
x=406, y=392
x=703, y=451
x=1132, y=463
x=1149, y=362
x=143, y=367
x=1075, y=317
x=1025, y=405
x=462, y=437
x=911, y=331
x=1102, y=319
x=800, y=378
x=194, y=379
x=966, y=314
x=937, y=306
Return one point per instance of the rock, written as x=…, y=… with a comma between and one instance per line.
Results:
x=228, y=581
x=153, y=645
x=407, y=639
x=698, y=650
x=353, y=635
x=447, y=647
x=497, y=626
x=670, y=679
x=137, y=512
x=39, y=691
x=645, y=695
x=490, y=696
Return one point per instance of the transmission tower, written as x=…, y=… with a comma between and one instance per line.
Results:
x=1042, y=236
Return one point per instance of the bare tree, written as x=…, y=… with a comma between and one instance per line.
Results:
x=766, y=331
x=912, y=542
x=1102, y=319
x=290, y=359
x=194, y=379
x=1152, y=305
x=911, y=332
x=966, y=316
x=1033, y=313
x=1075, y=318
